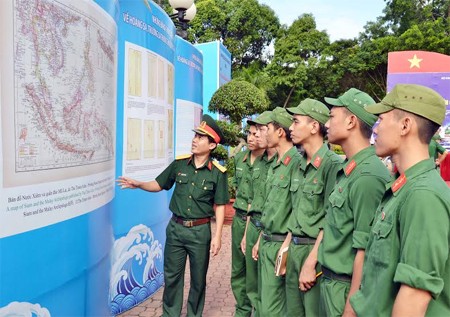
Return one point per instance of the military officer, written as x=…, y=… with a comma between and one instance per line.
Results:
x=243, y=162
x=359, y=187
x=276, y=212
x=309, y=199
x=407, y=266
x=200, y=182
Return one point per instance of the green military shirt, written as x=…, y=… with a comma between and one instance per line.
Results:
x=242, y=180
x=278, y=206
x=310, y=196
x=360, y=184
x=259, y=177
x=434, y=149
x=409, y=244
x=196, y=189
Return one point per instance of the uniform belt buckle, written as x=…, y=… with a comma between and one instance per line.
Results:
x=188, y=223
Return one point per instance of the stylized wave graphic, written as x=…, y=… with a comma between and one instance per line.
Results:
x=134, y=275
x=23, y=309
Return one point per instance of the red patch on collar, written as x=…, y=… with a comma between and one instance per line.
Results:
x=350, y=167
x=317, y=162
x=209, y=165
x=399, y=183
x=245, y=157
x=287, y=160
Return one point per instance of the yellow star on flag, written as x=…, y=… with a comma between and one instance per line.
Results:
x=415, y=62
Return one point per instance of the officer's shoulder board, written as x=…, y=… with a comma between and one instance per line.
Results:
x=183, y=157
x=219, y=167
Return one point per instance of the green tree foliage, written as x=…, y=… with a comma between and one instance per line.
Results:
x=298, y=54
x=238, y=99
x=246, y=27
x=401, y=15
x=304, y=62
x=405, y=25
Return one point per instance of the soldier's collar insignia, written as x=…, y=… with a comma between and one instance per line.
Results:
x=399, y=183
x=317, y=161
x=209, y=165
x=245, y=157
x=350, y=167
x=287, y=160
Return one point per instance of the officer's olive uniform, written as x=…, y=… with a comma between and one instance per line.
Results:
x=242, y=181
x=353, y=202
x=309, y=199
x=276, y=212
x=258, y=196
x=196, y=190
x=409, y=244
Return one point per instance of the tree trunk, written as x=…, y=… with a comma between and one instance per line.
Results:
x=289, y=96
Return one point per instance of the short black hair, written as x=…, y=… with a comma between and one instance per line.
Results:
x=286, y=130
x=322, y=129
x=426, y=128
x=364, y=128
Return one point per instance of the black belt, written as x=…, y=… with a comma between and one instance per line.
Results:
x=256, y=222
x=302, y=240
x=255, y=214
x=241, y=214
x=335, y=276
x=273, y=237
x=190, y=223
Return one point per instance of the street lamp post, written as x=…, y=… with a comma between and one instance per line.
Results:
x=183, y=12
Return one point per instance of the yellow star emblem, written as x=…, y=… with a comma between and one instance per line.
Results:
x=415, y=62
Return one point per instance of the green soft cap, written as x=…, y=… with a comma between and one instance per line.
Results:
x=282, y=117
x=417, y=99
x=312, y=108
x=263, y=119
x=355, y=101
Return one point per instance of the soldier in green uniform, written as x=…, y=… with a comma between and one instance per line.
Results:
x=200, y=183
x=317, y=172
x=407, y=265
x=359, y=187
x=243, y=162
x=254, y=225
x=437, y=152
x=276, y=212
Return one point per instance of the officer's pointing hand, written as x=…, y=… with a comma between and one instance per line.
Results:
x=125, y=182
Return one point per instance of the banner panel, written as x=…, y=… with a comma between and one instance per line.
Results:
x=145, y=146
x=57, y=147
x=188, y=93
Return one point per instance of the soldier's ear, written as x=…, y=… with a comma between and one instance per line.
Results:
x=212, y=146
x=315, y=127
x=351, y=121
x=406, y=124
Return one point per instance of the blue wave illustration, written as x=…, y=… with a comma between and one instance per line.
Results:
x=24, y=309
x=134, y=275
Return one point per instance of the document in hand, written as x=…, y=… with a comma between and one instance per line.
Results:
x=280, y=264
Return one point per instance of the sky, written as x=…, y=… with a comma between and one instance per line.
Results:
x=342, y=19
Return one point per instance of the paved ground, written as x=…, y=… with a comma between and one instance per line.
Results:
x=219, y=298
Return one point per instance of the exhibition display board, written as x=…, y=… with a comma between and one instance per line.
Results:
x=89, y=91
